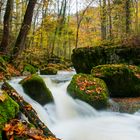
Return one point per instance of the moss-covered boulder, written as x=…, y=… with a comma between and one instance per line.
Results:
x=58, y=66
x=8, y=109
x=29, y=68
x=48, y=71
x=89, y=89
x=84, y=59
x=52, y=69
x=36, y=88
x=122, y=80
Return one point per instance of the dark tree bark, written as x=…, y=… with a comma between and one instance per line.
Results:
x=6, y=26
x=127, y=16
x=20, y=42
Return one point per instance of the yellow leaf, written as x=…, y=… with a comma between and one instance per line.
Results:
x=2, y=96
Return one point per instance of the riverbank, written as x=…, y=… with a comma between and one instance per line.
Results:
x=9, y=72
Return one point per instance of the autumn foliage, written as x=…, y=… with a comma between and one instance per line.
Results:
x=19, y=130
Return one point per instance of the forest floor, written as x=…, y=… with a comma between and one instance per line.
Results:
x=10, y=71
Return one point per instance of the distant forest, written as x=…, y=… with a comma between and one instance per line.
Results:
x=51, y=27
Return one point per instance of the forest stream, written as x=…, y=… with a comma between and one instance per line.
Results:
x=71, y=119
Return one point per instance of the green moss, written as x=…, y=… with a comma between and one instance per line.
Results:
x=36, y=88
x=2, y=65
x=122, y=80
x=52, y=69
x=89, y=89
x=84, y=59
x=48, y=71
x=8, y=109
x=29, y=68
x=58, y=66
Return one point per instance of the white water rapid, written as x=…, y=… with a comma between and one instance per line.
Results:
x=72, y=119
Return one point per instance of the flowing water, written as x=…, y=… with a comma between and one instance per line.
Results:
x=71, y=119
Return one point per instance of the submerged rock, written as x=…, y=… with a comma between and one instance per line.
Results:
x=48, y=71
x=52, y=69
x=36, y=88
x=122, y=80
x=89, y=89
x=8, y=110
x=127, y=105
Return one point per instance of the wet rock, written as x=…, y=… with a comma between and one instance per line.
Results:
x=36, y=88
x=89, y=89
x=122, y=80
x=48, y=71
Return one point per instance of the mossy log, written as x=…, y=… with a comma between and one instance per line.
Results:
x=8, y=110
x=27, y=110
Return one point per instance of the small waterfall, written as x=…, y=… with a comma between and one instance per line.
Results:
x=71, y=119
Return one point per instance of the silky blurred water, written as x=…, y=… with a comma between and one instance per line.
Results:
x=71, y=119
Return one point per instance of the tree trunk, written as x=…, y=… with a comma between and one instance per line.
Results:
x=6, y=26
x=136, y=17
x=127, y=16
x=60, y=23
x=110, y=20
x=79, y=21
x=103, y=19
x=1, y=4
x=25, y=27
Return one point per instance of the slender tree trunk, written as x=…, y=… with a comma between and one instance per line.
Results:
x=1, y=3
x=68, y=25
x=44, y=11
x=25, y=27
x=136, y=17
x=61, y=22
x=79, y=20
x=6, y=27
x=31, y=42
x=110, y=20
x=103, y=19
x=127, y=16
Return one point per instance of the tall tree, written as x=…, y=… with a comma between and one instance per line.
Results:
x=60, y=22
x=127, y=16
x=136, y=16
x=110, y=19
x=79, y=20
x=6, y=26
x=103, y=19
x=1, y=4
x=25, y=27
